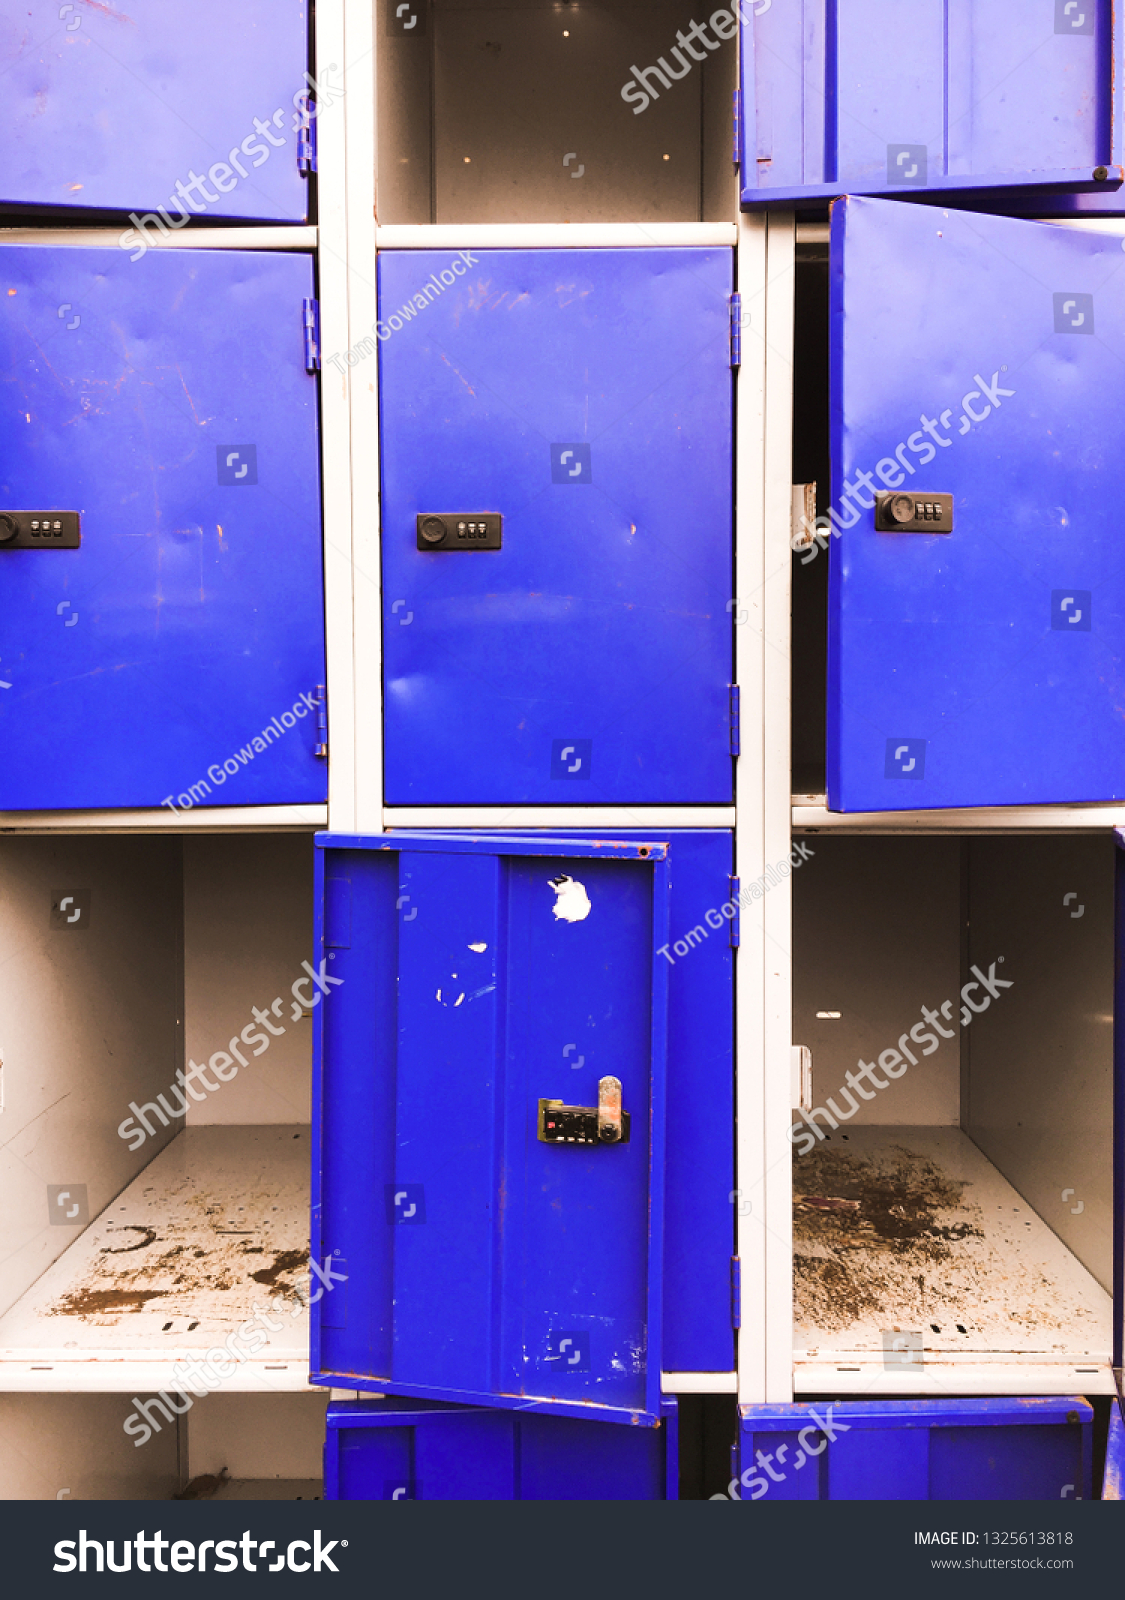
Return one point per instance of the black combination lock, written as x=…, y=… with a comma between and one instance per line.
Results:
x=605, y=1123
x=913, y=513
x=459, y=530
x=40, y=530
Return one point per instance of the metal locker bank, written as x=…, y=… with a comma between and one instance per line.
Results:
x=665, y=1044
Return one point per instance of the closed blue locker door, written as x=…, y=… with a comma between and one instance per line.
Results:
x=175, y=657
x=487, y=1262
x=585, y=398
x=980, y=358
x=1026, y=1449
x=394, y=1449
x=110, y=108
x=878, y=97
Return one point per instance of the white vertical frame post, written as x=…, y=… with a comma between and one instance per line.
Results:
x=345, y=54
x=766, y=256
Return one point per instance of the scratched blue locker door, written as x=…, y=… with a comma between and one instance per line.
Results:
x=152, y=108
x=964, y=97
x=977, y=589
x=161, y=631
x=494, y=1210
x=557, y=524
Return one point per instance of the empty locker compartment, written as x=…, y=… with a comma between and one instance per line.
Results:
x=391, y=1449
x=159, y=531
x=557, y=526
x=506, y=979
x=959, y=593
x=930, y=100
x=953, y=1167
x=567, y=137
x=111, y=109
x=917, y=1450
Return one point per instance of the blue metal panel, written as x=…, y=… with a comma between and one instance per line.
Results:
x=587, y=397
x=109, y=108
x=483, y=1264
x=698, y=1213
x=939, y=96
x=189, y=624
x=1113, y=1483
x=918, y=1450
x=962, y=362
x=416, y=1450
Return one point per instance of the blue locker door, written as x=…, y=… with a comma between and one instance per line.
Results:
x=586, y=398
x=487, y=1263
x=110, y=107
x=980, y=358
x=877, y=96
x=172, y=658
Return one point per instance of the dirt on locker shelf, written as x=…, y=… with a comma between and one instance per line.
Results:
x=900, y=1230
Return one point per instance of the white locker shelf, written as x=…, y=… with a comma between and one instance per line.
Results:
x=216, y=1225
x=811, y=815
x=913, y=1231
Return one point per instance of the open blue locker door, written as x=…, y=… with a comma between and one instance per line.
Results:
x=878, y=97
x=557, y=525
x=415, y=1450
x=1020, y=1449
x=160, y=548
x=492, y=1218
x=143, y=106
x=975, y=647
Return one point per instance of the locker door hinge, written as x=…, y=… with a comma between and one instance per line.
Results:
x=735, y=721
x=306, y=139
x=736, y=330
x=735, y=930
x=321, y=698
x=737, y=97
x=312, y=335
x=735, y=1292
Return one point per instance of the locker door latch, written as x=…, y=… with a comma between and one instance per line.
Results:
x=913, y=513
x=605, y=1123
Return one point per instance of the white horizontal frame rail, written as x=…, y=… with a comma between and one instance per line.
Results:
x=555, y=235
x=559, y=816
x=699, y=1383
x=811, y=815
x=200, y=819
x=296, y=237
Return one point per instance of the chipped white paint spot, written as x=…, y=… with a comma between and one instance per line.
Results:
x=459, y=998
x=479, y=948
x=572, y=903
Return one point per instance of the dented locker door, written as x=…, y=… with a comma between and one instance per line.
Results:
x=174, y=656
x=483, y=1260
x=969, y=96
x=146, y=106
x=975, y=653
x=575, y=407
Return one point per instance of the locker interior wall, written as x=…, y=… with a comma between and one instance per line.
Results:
x=89, y=1020
x=811, y=464
x=76, y=1442
x=876, y=937
x=1040, y=1072
x=257, y=1435
x=460, y=103
x=248, y=918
